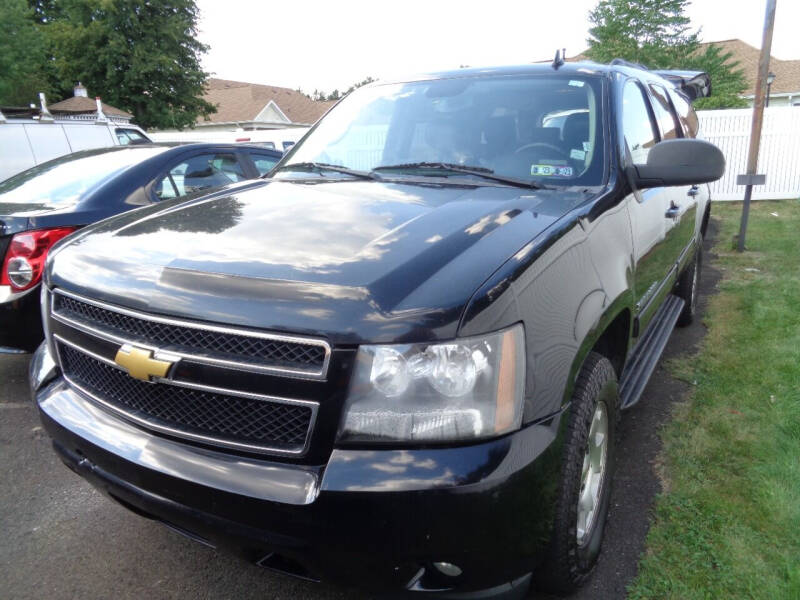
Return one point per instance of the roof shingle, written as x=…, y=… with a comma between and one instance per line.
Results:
x=83, y=105
x=241, y=101
x=787, y=72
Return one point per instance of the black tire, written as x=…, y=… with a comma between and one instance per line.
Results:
x=687, y=287
x=569, y=563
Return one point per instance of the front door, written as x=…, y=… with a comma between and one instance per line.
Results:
x=651, y=221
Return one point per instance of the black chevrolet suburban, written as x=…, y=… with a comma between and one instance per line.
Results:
x=399, y=362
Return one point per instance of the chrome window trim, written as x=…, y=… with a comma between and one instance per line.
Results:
x=234, y=364
x=314, y=406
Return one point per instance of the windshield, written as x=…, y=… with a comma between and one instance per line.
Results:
x=544, y=128
x=62, y=182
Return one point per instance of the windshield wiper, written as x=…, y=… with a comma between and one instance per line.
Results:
x=319, y=167
x=464, y=169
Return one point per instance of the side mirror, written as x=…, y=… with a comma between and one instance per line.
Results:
x=683, y=161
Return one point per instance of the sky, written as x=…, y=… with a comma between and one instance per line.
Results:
x=330, y=45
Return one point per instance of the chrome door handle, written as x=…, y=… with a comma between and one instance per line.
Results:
x=693, y=191
x=673, y=211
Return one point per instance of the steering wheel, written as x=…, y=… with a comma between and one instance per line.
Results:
x=549, y=147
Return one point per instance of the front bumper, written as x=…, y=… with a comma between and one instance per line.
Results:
x=377, y=519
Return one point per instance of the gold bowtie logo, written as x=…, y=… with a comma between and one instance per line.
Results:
x=140, y=363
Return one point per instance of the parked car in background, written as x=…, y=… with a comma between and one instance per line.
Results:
x=400, y=361
x=26, y=141
x=43, y=204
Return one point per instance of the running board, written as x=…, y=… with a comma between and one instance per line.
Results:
x=645, y=356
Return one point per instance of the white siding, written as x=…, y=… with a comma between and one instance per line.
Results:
x=779, y=155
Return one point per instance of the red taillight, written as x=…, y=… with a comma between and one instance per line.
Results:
x=24, y=261
x=242, y=139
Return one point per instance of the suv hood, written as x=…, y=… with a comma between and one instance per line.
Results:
x=356, y=261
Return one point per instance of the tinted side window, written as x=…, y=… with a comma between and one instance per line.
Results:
x=199, y=173
x=686, y=114
x=667, y=119
x=263, y=163
x=637, y=126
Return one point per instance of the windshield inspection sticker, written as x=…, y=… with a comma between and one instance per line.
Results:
x=551, y=171
x=576, y=83
x=577, y=154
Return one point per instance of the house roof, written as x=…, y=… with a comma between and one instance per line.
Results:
x=787, y=72
x=82, y=105
x=241, y=101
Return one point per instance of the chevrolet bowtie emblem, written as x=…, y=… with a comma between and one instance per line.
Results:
x=140, y=363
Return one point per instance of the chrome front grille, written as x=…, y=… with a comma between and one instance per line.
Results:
x=280, y=354
x=237, y=421
x=186, y=398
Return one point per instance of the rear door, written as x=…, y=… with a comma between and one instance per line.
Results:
x=680, y=227
x=654, y=258
x=16, y=154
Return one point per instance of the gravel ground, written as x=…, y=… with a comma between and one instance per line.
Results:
x=61, y=539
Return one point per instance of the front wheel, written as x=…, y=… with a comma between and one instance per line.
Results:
x=585, y=487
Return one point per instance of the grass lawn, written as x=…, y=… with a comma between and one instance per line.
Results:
x=728, y=524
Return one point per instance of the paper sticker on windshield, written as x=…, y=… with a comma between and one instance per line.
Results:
x=577, y=154
x=551, y=171
x=576, y=83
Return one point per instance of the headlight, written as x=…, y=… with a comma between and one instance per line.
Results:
x=461, y=390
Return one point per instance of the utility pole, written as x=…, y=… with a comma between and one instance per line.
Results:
x=750, y=178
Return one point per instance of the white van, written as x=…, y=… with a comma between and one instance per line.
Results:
x=29, y=140
x=275, y=139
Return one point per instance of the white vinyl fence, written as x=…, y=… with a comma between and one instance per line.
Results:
x=779, y=156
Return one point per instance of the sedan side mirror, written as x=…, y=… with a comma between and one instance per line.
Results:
x=682, y=161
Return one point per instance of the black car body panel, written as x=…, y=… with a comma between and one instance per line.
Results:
x=353, y=261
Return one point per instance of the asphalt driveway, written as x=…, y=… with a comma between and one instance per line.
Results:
x=61, y=539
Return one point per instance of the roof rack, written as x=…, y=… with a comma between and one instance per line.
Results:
x=695, y=84
x=626, y=63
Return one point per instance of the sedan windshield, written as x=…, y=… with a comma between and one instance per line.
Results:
x=539, y=129
x=63, y=181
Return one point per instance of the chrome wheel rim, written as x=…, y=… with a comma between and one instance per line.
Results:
x=593, y=473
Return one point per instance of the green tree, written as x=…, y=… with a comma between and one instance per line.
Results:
x=320, y=95
x=22, y=55
x=142, y=57
x=657, y=34
x=727, y=81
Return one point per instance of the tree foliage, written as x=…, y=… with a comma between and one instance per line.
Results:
x=22, y=55
x=336, y=94
x=657, y=34
x=142, y=57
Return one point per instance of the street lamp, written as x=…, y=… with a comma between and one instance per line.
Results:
x=770, y=79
